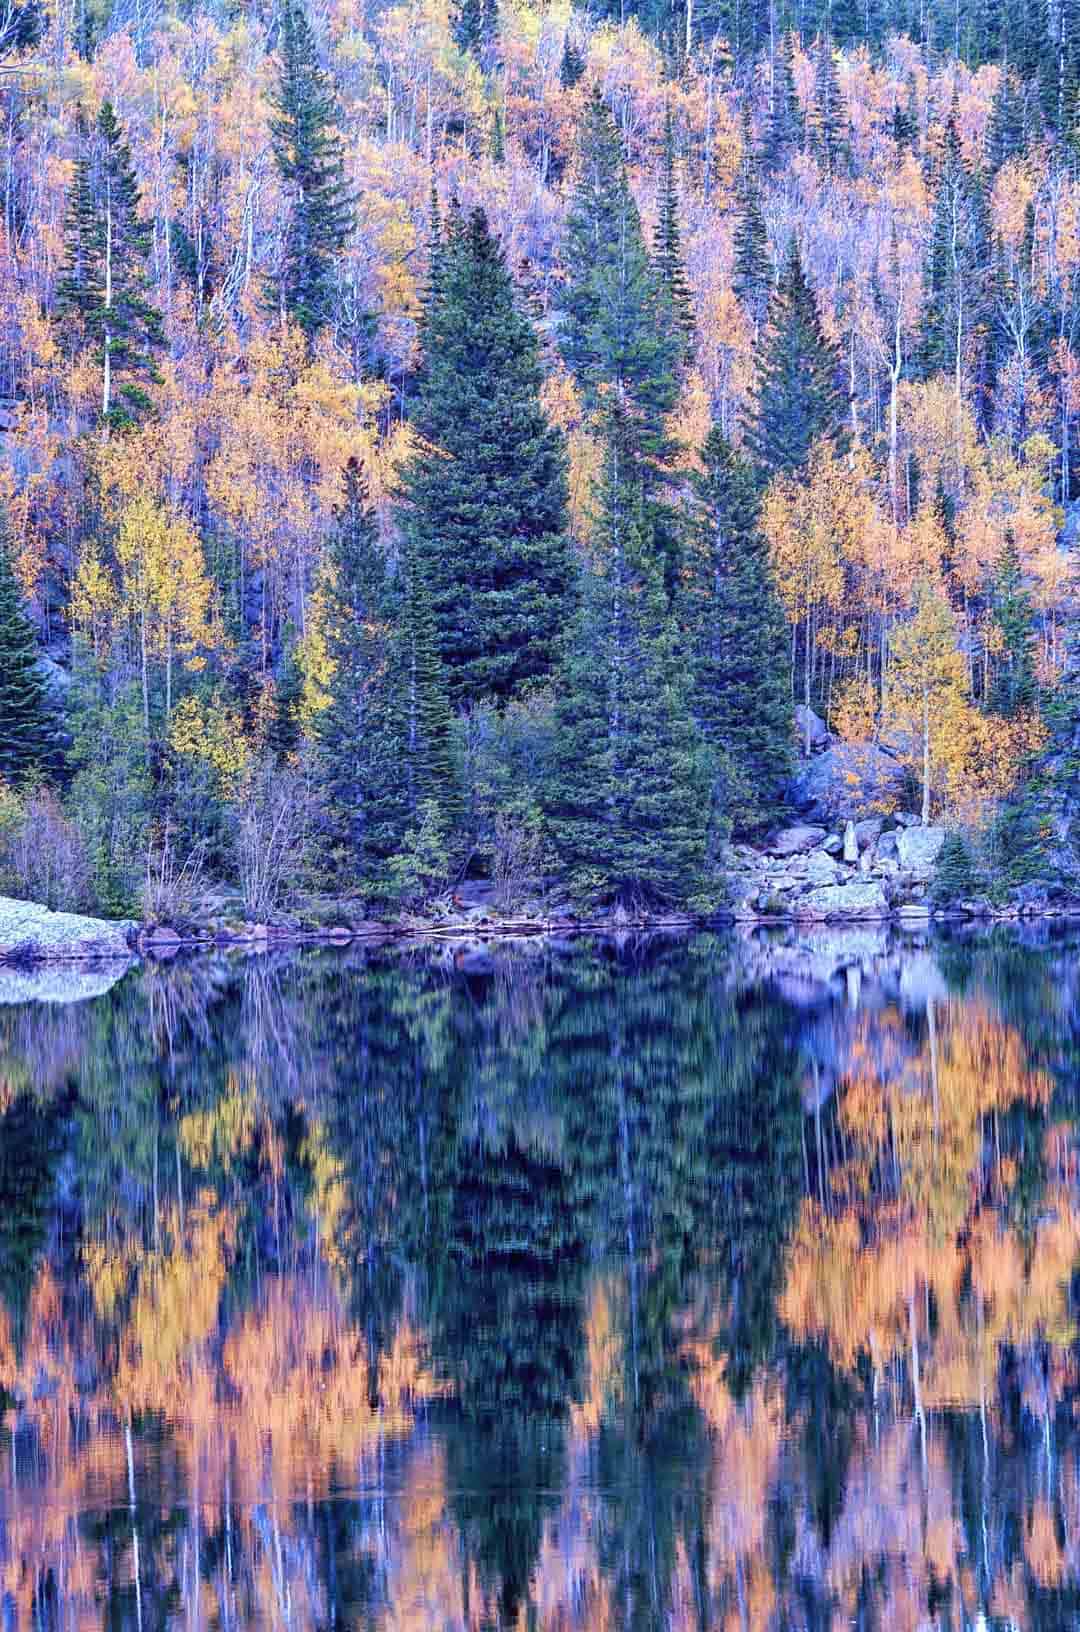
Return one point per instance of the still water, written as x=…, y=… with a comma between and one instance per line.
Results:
x=686, y=1284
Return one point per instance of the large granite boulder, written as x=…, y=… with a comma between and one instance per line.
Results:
x=810, y=729
x=850, y=779
x=838, y=902
x=918, y=849
x=793, y=841
x=30, y=932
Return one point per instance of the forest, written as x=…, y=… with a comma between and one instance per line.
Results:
x=456, y=441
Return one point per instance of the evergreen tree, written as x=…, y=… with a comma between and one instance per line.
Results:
x=616, y=334
x=572, y=65
x=367, y=758
x=28, y=738
x=1005, y=134
x=785, y=127
x=428, y=772
x=105, y=281
x=828, y=115
x=628, y=796
x=667, y=247
x=486, y=495
x=309, y=153
x=955, y=876
x=798, y=399
x=752, y=272
x=1014, y=687
x=741, y=695
x=955, y=310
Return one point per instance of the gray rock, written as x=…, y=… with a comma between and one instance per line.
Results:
x=887, y=847
x=849, y=779
x=819, y=868
x=810, y=728
x=862, y=899
x=57, y=679
x=793, y=841
x=851, y=844
x=33, y=934
x=906, y=818
x=868, y=831
x=833, y=845
x=918, y=849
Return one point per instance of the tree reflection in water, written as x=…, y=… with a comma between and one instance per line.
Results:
x=597, y=1287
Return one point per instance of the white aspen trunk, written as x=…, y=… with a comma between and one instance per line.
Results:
x=106, y=385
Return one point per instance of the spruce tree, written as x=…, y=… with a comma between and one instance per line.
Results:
x=362, y=734
x=739, y=640
x=627, y=799
x=798, y=399
x=955, y=311
x=667, y=248
x=1014, y=687
x=428, y=770
x=828, y=115
x=28, y=737
x=752, y=273
x=616, y=335
x=784, y=133
x=105, y=281
x=309, y=154
x=572, y=65
x=485, y=497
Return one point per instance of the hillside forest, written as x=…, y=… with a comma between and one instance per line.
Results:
x=445, y=441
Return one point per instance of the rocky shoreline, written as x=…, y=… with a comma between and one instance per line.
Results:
x=806, y=878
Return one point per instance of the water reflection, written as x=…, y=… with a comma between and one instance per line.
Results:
x=681, y=1285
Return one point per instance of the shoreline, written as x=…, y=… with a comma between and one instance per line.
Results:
x=162, y=942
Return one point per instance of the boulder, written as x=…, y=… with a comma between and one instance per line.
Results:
x=917, y=850
x=862, y=899
x=817, y=868
x=833, y=845
x=31, y=933
x=868, y=831
x=810, y=729
x=793, y=841
x=887, y=846
x=851, y=844
x=850, y=779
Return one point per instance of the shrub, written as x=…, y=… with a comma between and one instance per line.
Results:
x=272, y=837
x=45, y=856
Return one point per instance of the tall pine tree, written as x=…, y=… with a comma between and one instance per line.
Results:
x=798, y=398
x=740, y=644
x=751, y=277
x=485, y=497
x=28, y=736
x=627, y=800
x=309, y=153
x=363, y=733
x=667, y=247
x=105, y=281
x=616, y=335
x=1014, y=686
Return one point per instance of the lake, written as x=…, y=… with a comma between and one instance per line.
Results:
x=702, y=1283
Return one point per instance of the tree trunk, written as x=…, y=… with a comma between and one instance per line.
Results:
x=926, y=758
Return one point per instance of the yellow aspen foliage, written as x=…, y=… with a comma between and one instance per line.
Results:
x=691, y=420
x=926, y=695
x=213, y=733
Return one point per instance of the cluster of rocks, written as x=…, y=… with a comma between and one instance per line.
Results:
x=868, y=869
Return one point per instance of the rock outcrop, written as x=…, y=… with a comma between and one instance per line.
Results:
x=850, y=780
x=31, y=933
